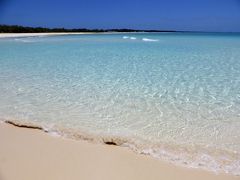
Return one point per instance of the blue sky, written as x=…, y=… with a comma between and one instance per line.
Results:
x=195, y=15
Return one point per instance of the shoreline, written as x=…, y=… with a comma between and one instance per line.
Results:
x=26, y=149
x=177, y=155
x=19, y=35
x=22, y=35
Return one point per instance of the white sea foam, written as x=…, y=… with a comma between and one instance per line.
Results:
x=55, y=134
x=150, y=40
x=24, y=40
x=127, y=37
x=201, y=160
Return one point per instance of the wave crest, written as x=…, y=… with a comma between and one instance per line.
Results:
x=150, y=40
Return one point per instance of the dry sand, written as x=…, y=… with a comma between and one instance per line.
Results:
x=30, y=154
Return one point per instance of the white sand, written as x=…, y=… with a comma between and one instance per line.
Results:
x=30, y=154
x=12, y=35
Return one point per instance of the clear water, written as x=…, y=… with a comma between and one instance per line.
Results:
x=171, y=95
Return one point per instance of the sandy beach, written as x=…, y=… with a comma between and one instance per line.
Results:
x=32, y=154
x=15, y=35
x=95, y=90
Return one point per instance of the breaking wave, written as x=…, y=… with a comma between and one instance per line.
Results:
x=150, y=40
x=127, y=37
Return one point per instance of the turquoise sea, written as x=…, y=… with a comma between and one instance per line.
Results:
x=174, y=96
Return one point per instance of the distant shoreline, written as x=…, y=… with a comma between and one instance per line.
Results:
x=4, y=28
x=18, y=35
x=25, y=29
x=21, y=35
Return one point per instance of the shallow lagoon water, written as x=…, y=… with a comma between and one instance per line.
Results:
x=175, y=96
